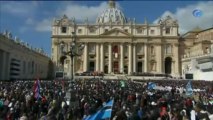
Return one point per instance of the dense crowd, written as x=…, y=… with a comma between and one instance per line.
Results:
x=132, y=101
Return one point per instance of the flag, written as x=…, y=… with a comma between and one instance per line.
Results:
x=189, y=90
x=151, y=86
x=122, y=83
x=36, y=89
x=104, y=113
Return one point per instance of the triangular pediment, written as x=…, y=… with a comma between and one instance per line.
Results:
x=116, y=32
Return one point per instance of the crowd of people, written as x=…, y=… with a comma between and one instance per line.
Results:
x=132, y=100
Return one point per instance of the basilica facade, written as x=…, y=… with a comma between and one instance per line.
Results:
x=117, y=45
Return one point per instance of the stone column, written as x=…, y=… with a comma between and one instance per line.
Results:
x=102, y=58
x=145, y=58
x=110, y=58
x=176, y=59
x=130, y=59
x=121, y=58
x=97, y=57
x=173, y=67
x=159, y=58
x=85, y=62
x=134, y=58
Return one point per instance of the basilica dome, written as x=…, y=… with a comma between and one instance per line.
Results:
x=112, y=14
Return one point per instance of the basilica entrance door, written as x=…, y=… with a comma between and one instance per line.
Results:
x=116, y=67
x=106, y=69
x=126, y=69
x=140, y=67
x=92, y=66
x=168, y=65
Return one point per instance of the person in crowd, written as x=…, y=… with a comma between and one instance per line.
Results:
x=132, y=100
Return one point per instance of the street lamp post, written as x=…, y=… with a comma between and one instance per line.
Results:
x=74, y=50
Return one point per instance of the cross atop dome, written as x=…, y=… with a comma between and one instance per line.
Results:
x=111, y=4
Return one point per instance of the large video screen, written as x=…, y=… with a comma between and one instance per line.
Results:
x=59, y=74
x=189, y=76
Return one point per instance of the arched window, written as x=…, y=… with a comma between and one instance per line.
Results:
x=167, y=30
x=63, y=29
x=115, y=49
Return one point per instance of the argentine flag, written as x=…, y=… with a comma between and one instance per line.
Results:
x=104, y=113
x=189, y=90
x=151, y=86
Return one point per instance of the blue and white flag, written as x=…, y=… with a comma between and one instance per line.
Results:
x=104, y=113
x=151, y=86
x=189, y=90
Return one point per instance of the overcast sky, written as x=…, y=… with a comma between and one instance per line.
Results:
x=31, y=21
